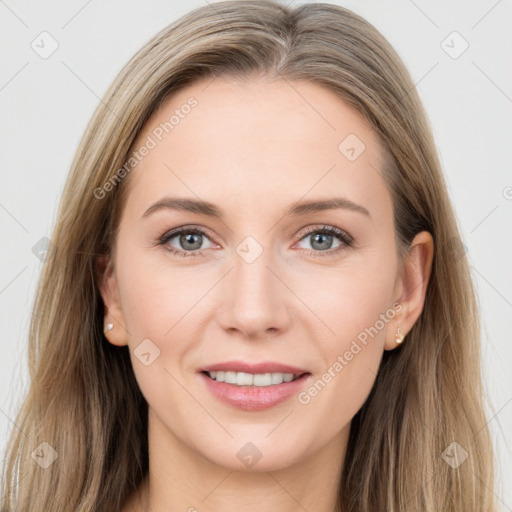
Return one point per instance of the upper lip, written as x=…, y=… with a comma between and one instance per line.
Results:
x=255, y=368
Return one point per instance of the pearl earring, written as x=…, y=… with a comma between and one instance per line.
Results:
x=108, y=327
x=399, y=337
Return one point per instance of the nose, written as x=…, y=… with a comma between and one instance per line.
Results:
x=254, y=300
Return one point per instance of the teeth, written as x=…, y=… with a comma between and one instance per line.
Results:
x=249, y=379
x=244, y=379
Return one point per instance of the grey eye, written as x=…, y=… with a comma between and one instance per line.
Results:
x=188, y=241
x=320, y=241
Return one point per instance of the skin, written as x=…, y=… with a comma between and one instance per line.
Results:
x=254, y=147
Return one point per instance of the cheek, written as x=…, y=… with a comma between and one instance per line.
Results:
x=166, y=305
x=351, y=299
x=356, y=304
x=156, y=297
x=158, y=304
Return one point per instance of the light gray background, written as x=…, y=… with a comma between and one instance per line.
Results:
x=46, y=104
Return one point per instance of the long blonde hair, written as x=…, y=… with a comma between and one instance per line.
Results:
x=83, y=398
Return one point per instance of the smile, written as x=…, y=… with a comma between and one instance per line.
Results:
x=250, y=379
x=253, y=391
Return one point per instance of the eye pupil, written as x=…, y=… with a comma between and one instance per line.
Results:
x=189, y=239
x=319, y=237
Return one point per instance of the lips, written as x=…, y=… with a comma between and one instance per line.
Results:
x=264, y=367
x=265, y=392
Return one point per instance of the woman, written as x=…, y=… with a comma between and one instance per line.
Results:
x=255, y=299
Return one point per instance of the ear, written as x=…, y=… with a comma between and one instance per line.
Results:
x=412, y=286
x=118, y=335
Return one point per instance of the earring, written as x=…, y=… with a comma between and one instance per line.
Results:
x=108, y=327
x=399, y=337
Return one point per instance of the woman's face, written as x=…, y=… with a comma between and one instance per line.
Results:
x=255, y=279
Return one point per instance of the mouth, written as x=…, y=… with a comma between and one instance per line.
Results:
x=250, y=379
x=253, y=387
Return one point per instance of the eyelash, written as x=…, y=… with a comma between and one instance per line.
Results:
x=345, y=239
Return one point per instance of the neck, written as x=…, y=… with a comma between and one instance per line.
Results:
x=183, y=479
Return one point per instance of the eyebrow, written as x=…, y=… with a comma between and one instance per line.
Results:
x=296, y=209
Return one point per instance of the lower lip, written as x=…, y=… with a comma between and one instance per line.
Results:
x=254, y=398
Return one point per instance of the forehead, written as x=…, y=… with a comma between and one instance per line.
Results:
x=257, y=142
